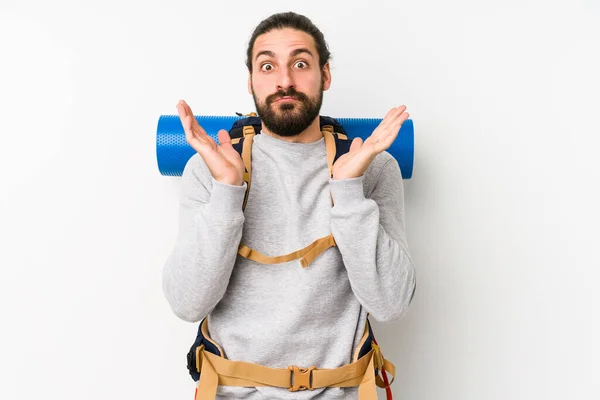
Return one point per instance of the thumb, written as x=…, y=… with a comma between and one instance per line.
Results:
x=224, y=138
x=226, y=148
x=356, y=144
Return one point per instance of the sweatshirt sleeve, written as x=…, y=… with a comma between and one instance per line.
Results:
x=197, y=272
x=370, y=236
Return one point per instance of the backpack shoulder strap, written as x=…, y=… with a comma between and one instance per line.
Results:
x=242, y=136
x=342, y=142
x=337, y=145
x=243, y=146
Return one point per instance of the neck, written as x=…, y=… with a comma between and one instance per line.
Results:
x=309, y=135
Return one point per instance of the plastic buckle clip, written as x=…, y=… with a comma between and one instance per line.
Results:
x=300, y=378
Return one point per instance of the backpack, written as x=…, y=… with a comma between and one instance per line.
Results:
x=337, y=142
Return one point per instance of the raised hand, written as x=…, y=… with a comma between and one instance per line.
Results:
x=222, y=160
x=354, y=163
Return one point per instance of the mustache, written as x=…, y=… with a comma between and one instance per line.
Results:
x=291, y=92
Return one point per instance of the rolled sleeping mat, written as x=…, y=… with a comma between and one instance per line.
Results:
x=173, y=151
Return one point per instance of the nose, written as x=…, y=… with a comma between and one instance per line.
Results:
x=285, y=80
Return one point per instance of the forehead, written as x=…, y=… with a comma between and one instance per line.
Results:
x=282, y=41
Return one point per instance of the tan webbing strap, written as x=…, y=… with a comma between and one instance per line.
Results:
x=330, y=146
x=247, y=158
x=331, y=149
x=321, y=246
x=209, y=380
x=306, y=255
x=367, y=389
x=389, y=368
x=220, y=371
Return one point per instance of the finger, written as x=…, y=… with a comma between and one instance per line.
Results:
x=194, y=125
x=402, y=108
x=385, y=141
x=192, y=134
x=184, y=109
x=387, y=121
x=394, y=129
x=403, y=117
x=399, y=121
x=226, y=149
x=390, y=114
x=388, y=125
x=185, y=121
x=181, y=110
x=224, y=138
x=356, y=144
x=186, y=116
x=393, y=114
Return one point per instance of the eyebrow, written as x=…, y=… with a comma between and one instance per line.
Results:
x=294, y=53
x=300, y=51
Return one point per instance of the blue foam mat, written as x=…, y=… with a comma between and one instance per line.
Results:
x=173, y=151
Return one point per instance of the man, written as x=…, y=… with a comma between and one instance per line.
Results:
x=278, y=315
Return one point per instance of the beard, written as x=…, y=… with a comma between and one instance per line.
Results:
x=289, y=119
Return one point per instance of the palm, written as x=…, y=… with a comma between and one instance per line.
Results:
x=223, y=161
x=354, y=163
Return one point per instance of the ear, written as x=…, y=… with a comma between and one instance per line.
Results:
x=326, y=75
x=249, y=83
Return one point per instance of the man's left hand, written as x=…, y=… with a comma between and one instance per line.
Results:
x=354, y=163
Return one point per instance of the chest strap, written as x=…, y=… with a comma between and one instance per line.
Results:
x=306, y=255
x=313, y=250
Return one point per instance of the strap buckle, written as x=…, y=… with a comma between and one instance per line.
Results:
x=248, y=130
x=300, y=378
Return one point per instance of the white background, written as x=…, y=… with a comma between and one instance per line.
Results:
x=502, y=211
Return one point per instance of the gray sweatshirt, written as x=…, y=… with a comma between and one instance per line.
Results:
x=281, y=315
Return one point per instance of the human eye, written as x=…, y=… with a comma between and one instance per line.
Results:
x=301, y=64
x=266, y=67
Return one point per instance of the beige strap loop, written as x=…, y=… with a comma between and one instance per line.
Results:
x=320, y=246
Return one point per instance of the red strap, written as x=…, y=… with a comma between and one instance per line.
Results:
x=388, y=389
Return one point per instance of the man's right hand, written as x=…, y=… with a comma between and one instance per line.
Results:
x=223, y=161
